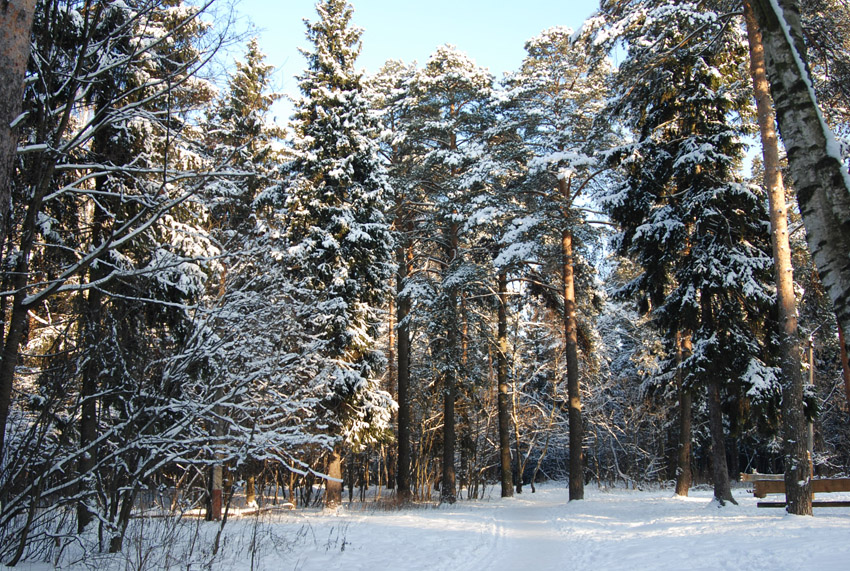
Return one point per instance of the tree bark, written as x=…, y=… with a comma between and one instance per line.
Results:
x=683, y=457
x=93, y=333
x=798, y=491
x=503, y=398
x=720, y=470
x=216, y=485
x=448, y=489
x=333, y=488
x=576, y=483
x=820, y=178
x=845, y=365
x=404, y=255
x=251, y=492
x=16, y=20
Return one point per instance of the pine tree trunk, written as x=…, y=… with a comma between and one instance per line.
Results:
x=683, y=457
x=448, y=484
x=88, y=396
x=403, y=258
x=16, y=18
x=797, y=483
x=576, y=483
x=819, y=175
x=503, y=398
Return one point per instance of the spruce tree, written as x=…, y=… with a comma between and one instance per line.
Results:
x=242, y=139
x=340, y=245
x=698, y=232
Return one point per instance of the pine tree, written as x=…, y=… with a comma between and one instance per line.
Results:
x=388, y=91
x=451, y=106
x=554, y=98
x=797, y=493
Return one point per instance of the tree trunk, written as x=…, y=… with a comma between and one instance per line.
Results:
x=820, y=178
x=576, y=483
x=333, y=488
x=683, y=457
x=216, y=484
x=845, y=366
x=250, y=492
x=452, y=356
x=404, y=256
x=88, y=397
x=447, y=485
x=798, y=491
x=720, y=471
x=503, y=398
x=16, y=18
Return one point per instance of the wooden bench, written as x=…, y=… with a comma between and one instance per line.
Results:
x=764, y=484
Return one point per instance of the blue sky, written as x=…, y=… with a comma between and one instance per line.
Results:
x=491, y=32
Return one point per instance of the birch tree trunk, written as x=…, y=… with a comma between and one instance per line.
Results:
x=798, y=492
x=820, y=178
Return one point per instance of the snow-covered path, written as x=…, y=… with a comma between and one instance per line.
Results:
x=609, y=530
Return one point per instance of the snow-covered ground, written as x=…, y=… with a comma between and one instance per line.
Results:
x=619, y=529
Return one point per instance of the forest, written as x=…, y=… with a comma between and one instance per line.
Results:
x=626, y=263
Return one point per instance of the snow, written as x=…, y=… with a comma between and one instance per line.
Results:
x=609, y=530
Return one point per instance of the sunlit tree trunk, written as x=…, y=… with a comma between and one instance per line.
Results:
x=797, y=476
x=333, y=486
x=504, y=398
x=576, y=483
x=16, y=18
x=251, y=491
